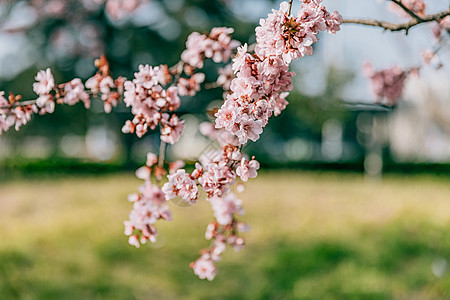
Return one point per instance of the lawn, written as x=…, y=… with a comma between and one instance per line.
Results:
x=314, y=236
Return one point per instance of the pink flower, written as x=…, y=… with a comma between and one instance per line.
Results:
x=249, y=128
x=189, y=87
x=216, y=177
x=334, y=22
x=4, y=124
x=239, y=61
x=388, y=83
x=46, y=102
x=217, y=45
x=247, y=169
x=146, y=77
x=45, y=82
x=133, y=240
x=173, y=101
x=171, y=129
x=226, y=75
x=148, y=207
x=225, y=207
x=152, y=159
x=74, y=92
x=175, y=166
x=227, y=116
x=181, y=184
x=204, y=267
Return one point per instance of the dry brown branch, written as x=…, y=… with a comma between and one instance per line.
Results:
x=399, y=27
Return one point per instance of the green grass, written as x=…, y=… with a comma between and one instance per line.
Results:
x=314, y=236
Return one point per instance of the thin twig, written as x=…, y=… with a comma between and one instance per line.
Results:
x=399, y=27
x=407, y=10
x=290, y=7
x=17, y=104
x=162, y=154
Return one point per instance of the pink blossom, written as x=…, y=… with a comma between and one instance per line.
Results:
x=152, y=159
x=46, y=102
x=172, y=99
x=175, y=166
x=249, y=128
x=216, y=177
x=171, y=129
x=225, y=77
x=227, y=116
x=181, y=184
x=4, y=124
x=334, y=23
x=388, y=83
x=247, y=169
x=189, y=87
x=3, y=101
x=146, y=77
x=225, y=207
x=144, y=173
x=45, y=82
x=74, y=92
x=218, y=45
x=211, y=231
x=258, y=91
x=148, y=207
x=204, y=267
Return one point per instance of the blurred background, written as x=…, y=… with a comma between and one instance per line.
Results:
x=319, y=130
x=349, y=175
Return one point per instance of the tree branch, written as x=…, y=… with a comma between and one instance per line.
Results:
x=399, y=27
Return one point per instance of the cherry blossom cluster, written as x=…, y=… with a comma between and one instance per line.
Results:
x=217, y=45
x=216, y=172
x=387, y=84
x=103, y=86
x=156, y=91
x=149, y=205
x=13, y=114
x=255, y=87
x=150, y=103
x=263, y=78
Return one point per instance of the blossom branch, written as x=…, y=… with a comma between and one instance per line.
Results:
x=17, y=104
x=399, y=27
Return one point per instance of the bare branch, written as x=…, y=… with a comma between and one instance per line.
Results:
x=290, y=7
x=399, y=27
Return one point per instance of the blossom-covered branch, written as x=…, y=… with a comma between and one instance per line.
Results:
x=438, y=17
x=255, y=88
